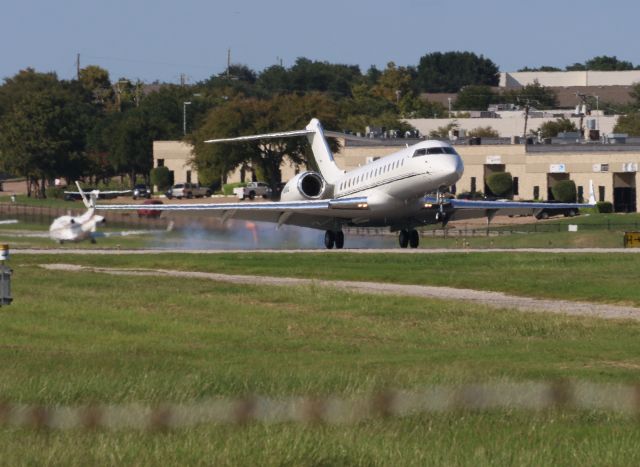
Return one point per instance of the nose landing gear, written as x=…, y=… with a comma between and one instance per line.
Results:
x=409, y=237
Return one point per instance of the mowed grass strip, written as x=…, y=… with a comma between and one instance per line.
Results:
x=604, y=278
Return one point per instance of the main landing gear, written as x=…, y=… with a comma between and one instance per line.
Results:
x=409, y=237
x=334, y=238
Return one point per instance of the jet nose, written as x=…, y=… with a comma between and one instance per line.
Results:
x=452, y=167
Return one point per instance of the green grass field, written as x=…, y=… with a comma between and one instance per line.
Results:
x=74, y=338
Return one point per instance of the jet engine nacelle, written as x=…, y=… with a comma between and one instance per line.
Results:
x=304, y=186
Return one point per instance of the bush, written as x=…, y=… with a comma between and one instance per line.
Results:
x=483, y=132
x=55, y=192
x=604, y=207
x=500, y=184
x=564, y=191
x=162, y=177
x=227, y=188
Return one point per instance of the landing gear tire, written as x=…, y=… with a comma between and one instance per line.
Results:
x=414, y=238
x=339, y=239
x=329, y=239
x=403, y=238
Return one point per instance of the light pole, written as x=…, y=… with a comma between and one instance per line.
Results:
x=184, y=117
x=449, y=99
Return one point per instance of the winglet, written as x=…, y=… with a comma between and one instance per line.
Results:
x=592, y=194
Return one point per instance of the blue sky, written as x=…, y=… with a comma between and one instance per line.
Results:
x=159, y=40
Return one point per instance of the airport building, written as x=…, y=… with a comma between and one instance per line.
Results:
x=535, y=168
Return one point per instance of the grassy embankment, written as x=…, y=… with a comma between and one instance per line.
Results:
x=73, y=338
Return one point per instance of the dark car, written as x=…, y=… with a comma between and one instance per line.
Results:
x=150, y=213
x=546, y=213
x=75, y=195
x=141, y=191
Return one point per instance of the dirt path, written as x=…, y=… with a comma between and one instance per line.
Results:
x=493, y=299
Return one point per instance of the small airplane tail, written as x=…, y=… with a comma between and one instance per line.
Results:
x=592, y=194
x=319, y=146
x=90, y=202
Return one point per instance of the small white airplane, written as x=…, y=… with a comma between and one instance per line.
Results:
x=393, y=191
x=85, y=227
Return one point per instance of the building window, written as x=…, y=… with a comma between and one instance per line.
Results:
x=160, y=162
x=600, y=193
x=473, y=184
x=536, y=192
x=188, y=176
x=516, y=186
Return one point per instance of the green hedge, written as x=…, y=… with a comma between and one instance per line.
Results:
x=604, y=207
x=564, y=191
x=501, y=184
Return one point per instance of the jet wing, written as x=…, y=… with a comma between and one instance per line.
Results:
x=460, y=209
x=315, y=214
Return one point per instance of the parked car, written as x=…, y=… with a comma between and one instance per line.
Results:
x=141, y=191
x=150, y=213
x=188, y=190
x=252, y=190
x=551, y=211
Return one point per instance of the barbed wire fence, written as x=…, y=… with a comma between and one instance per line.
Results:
x=333, y=410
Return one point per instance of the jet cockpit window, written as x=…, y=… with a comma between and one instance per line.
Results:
x=435, y=150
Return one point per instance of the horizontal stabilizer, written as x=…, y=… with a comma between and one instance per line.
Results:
x=282, y=134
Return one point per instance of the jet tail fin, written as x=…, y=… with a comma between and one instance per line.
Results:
x=316, y=136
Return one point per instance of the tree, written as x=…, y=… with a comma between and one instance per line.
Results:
x=608, y=63
x=95, y=80
x=551, y=128
x=161, y=177
x=443, y=131
x=542, y=96
x=43, y=128
x=629, y=124
x=475, y=98
x=601, y=63
x=337, y=79
x=449, y=72
x=253, y=116
x=542, y=68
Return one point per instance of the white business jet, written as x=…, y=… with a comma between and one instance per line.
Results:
x=392, y=191
x=85, y=227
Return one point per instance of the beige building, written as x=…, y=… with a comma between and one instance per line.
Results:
x=535, y=168
x=176, y=156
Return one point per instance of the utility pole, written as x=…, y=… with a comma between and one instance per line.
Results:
x=78, y=66
x=184, y=117
x=228, y=62
x=527, y=107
